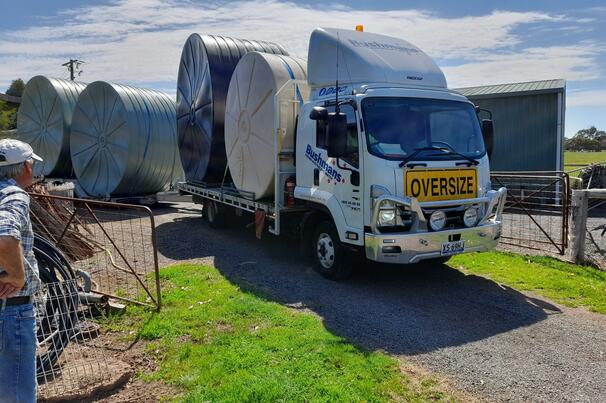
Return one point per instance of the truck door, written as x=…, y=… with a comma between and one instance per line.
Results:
x=346, y=184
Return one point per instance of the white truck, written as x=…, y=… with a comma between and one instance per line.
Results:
x=388, y=164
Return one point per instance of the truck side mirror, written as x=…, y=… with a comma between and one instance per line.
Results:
x=488, y=134
x=337, y=135
x=318, y=113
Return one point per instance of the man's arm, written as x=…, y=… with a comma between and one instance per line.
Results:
x=11, y=261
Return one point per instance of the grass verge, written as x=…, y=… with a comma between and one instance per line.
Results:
x=579, y=157
x=566, y=283
x=219, y=343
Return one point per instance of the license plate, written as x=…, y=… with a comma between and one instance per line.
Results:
x=449, y=248
x=441, y=184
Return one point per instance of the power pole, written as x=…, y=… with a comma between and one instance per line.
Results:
x=73, y=66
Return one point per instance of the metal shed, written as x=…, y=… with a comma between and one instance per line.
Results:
x=529, y=123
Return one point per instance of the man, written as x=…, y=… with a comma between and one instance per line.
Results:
x=18, y=275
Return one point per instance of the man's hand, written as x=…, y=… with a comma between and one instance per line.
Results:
x=8, y=291
x=11, y=261
x=17, y=281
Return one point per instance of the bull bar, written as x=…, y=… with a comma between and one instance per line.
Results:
x=419, y=243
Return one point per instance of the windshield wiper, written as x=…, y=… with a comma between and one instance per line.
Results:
x=417, y=152
x=453, y=152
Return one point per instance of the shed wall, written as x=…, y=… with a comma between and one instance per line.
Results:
x=526, y=132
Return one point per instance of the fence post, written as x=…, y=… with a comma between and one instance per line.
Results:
x=578, y=225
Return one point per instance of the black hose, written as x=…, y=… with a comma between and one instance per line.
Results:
x=60, y=310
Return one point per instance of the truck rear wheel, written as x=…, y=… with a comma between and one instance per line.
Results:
x=328, y=253
x=215, y=214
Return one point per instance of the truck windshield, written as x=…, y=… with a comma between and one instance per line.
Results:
x=397, y=127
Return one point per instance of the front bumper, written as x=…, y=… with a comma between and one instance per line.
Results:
x=420, y=243
x=428, y=245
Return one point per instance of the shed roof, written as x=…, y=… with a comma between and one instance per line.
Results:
x=10, y=99
x=514, y=89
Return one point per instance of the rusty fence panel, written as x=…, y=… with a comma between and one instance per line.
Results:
x=114, y=243
x=537, y=210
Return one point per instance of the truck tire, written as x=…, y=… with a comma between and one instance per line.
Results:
x=328, y=253
x=215, y=214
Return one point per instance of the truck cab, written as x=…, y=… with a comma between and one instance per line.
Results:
x=395, y=164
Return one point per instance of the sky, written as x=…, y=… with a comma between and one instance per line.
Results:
x=139, y=42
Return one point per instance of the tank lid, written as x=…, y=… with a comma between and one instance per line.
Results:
x=368, y=58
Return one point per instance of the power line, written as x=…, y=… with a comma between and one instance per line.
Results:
x=73, y=66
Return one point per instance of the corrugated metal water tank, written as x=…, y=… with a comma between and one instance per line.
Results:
x=124, y=140
x=44, y=121
x=250, y=115
x=207, y=64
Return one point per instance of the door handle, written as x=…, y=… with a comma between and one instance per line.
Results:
x=316, y=177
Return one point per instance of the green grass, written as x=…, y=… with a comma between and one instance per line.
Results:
x=217, y=342
x=562, y=282
x=577, y=157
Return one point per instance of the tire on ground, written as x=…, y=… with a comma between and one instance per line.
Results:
x=330, y=258
x=215, y=213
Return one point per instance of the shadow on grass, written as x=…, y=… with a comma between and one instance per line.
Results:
x=402, y=310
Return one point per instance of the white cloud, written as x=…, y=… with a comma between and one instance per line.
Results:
x=140, y=41
x=586, y=98
x=568, y=62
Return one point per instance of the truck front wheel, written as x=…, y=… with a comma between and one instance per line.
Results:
x=329, y=257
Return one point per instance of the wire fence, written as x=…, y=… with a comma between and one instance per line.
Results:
x=90, y=254
x=589, y=228
x=113, y=243
x=536, y=211
x=69, y=362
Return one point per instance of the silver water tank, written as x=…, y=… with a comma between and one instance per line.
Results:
x=124, y=140
x=207, y=64
x=44, y=121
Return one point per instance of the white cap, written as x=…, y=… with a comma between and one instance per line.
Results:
x=14, y=152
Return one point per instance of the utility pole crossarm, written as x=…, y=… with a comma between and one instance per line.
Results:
x=72, y=66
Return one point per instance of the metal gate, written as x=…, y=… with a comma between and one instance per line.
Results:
x=113, y=243
x=536, y=211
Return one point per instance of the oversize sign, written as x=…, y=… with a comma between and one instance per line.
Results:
x=441, y=184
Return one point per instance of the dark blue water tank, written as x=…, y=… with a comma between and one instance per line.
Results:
x=207, y=64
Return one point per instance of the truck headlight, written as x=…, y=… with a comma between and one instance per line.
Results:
x=437, y=220
x=387, y=214
x=470, y=217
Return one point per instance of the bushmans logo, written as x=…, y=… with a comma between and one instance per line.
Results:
x=321, y=163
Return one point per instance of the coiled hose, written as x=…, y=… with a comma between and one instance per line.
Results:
x=59, y=308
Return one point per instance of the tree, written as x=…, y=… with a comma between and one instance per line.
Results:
x=8, y=116
x=16, y=88
x=8, y=112
x=590, y=139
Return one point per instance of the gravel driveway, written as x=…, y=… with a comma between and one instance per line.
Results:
x=489, y=340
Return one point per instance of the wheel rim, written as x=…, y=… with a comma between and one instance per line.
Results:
x=325, y=250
